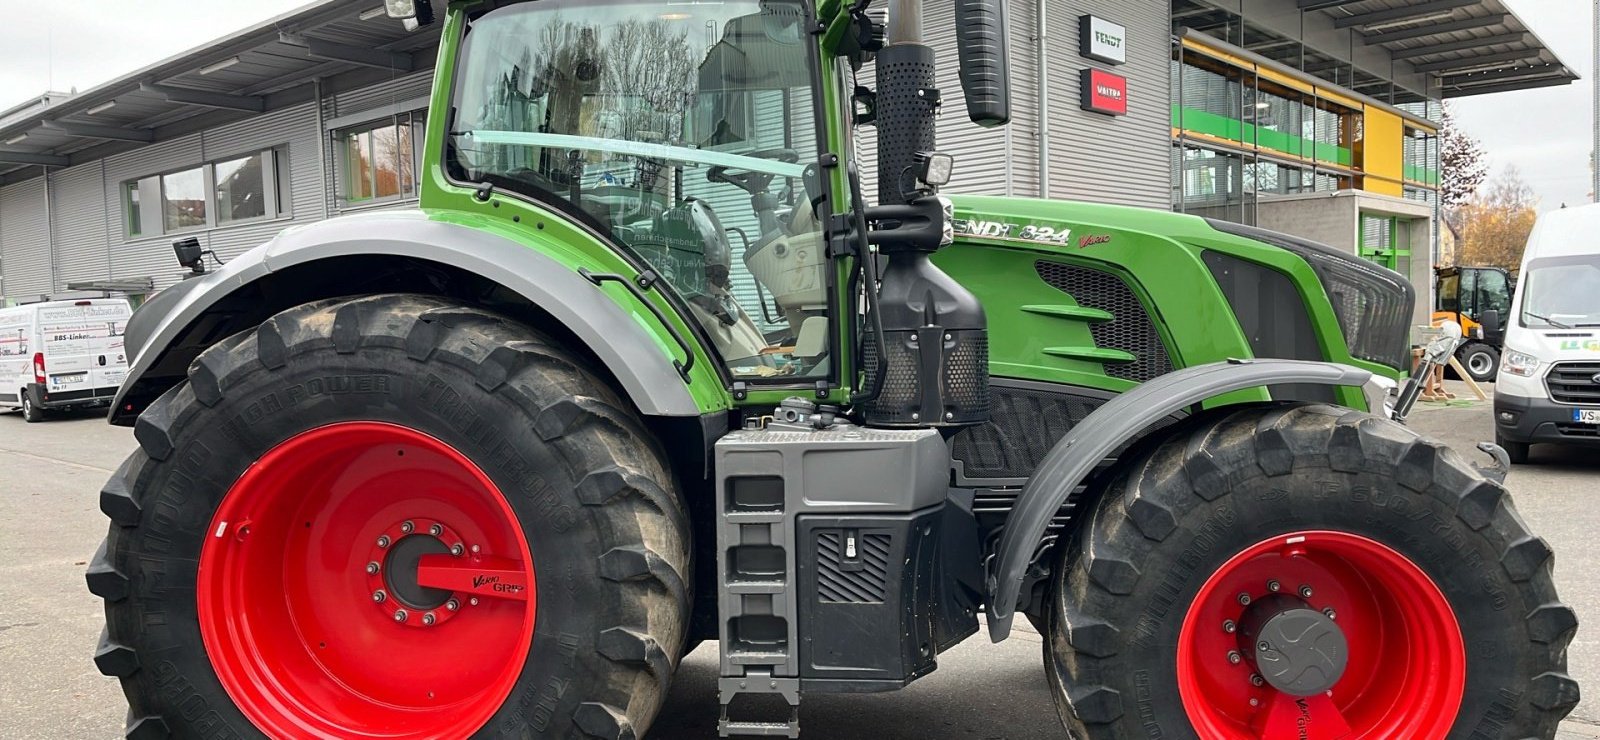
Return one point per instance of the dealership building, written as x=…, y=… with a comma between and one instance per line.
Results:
x=1314, y=117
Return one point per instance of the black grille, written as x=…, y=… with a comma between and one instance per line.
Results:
x=966, y=378
x=1023, y=425
x=863, y=581
x=1372, y=303
x=1579, y=430
x=1574, y=382
x=1130, y=328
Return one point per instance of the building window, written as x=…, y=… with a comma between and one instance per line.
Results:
x=183, y=200
x=221, y=193
x=377, y=161
x=130, y=209
x=241, y=189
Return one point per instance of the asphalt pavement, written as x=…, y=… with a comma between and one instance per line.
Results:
x=50, y=524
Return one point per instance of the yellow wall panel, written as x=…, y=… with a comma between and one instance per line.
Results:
x=1382, y=151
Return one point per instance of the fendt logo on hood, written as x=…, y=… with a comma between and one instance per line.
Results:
x=1004, y=231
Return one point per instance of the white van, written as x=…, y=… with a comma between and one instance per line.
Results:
x=1549, y=384
x=62, y=354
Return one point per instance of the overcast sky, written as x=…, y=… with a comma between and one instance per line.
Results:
x=1546, y=133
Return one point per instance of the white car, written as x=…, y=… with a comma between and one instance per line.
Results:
x=1549, y=384
x=62, y=354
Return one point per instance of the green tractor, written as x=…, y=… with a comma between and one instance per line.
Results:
x=646, y=369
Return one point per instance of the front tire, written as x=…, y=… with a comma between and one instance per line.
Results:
x=1360, y=525
x=410, y=519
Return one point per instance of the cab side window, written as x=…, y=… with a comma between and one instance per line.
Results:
x=1493, y=292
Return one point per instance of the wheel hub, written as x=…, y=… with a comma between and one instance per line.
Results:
x=1293, y=647
x=393, y=568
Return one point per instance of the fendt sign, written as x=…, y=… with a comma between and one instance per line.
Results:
x=1102, y=40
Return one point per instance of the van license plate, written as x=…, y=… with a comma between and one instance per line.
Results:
x=1586, y=416
x=72, y=379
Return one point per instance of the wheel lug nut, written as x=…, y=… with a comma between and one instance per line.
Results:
x=406, y=526
x=1244, y=599
x=1228, y=626
x=379, y=596
x=383, y=540
x=427, y=619
x=436, y=530
x=1330, y=613
x=452, y=605
x=400, y=615
x=456, y=549
x=1234, y=657
x=1256, y=679
x=372, y=569
x=1305, y=592
x=1273, y=586
x=1263, y=646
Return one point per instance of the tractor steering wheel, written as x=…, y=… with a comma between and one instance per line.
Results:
x=753, y=183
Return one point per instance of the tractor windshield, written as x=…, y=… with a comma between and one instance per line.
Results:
x=679, y=130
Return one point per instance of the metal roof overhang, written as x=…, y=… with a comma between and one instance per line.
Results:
x=263, y=68
x=1473, y=46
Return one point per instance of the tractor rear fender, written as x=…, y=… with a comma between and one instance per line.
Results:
x=175, y=326
x=1102, y=432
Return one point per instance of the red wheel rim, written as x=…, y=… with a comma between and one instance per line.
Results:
x=290, y=573
x=1406, y=668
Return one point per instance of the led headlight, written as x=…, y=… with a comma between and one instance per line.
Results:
x=1518, y=363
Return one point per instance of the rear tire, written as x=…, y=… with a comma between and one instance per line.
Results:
x=1481, y=361
x=31, y=413
x=1138, y=580
x=586, y=494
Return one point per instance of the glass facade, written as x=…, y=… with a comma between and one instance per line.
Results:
x=1239, y=135
x=1286, y=120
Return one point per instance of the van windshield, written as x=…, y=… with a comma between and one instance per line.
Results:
x=1562, y=292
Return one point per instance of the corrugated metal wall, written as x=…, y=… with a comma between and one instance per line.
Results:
x=1094, y=157
x=999, y=161
x=77, y=201
x=24, y=240
x=401, y=88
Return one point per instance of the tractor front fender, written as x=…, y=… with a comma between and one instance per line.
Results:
x=175, y=326
x=1102, y=432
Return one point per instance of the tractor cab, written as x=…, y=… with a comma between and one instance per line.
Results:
x=679, y=136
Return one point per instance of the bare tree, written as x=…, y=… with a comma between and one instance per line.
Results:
x=1462, y=166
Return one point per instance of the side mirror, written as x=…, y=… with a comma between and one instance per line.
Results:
x=1491, y=323
x=985, y=62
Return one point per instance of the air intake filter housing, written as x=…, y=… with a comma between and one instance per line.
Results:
x=936, y=349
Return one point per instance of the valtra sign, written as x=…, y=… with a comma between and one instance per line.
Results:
x=1104, y=92
x=1101, y=39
